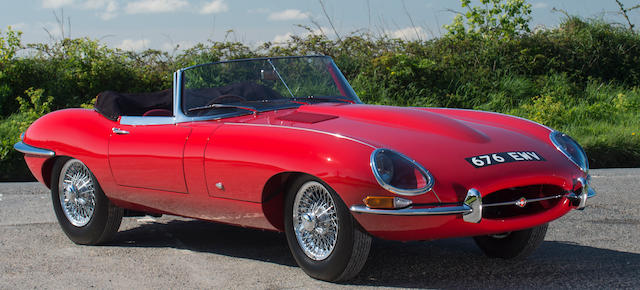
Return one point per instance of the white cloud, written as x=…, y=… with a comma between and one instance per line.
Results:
x=408, y=33
x=154, y=6
x=133, y=44
x=215, y=6
x=94, y=4
x=110, y=11
x=540, y=5
x=55, y=3
x=289, y=14
x=282, y=38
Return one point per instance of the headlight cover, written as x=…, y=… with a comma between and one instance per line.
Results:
x=400, y=174
x=571, y=149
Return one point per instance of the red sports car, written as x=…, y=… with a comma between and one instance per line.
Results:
x=285, y=144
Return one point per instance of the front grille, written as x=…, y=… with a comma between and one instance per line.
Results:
x=503, y=203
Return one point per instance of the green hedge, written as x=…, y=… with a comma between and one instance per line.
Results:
x=582, y=78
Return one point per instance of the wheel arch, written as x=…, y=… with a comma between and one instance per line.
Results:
x=273, y=196
x=47, y=169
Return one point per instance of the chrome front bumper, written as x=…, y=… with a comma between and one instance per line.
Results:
x=580, y=199
x=471, y=208
x=438, y=210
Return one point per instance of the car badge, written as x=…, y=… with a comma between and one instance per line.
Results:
x=521, y=202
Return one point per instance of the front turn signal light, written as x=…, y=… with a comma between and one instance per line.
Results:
x=386, y=202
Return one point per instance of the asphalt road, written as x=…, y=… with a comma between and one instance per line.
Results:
x=595, y=248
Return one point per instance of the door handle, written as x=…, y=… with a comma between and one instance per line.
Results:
x=119, y=131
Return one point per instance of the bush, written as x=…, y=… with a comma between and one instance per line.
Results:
x=582, y=77
x=31, y=108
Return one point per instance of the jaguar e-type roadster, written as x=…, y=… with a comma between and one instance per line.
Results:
x=285, y=144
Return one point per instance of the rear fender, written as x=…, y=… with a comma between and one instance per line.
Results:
x=79, y=133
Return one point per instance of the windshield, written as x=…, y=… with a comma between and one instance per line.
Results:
x=258, y=85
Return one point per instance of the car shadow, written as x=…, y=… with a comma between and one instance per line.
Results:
x=209, y=237
x=449, y=263
x=458, y=263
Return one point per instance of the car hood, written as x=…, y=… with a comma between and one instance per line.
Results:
x=404, y=128
x=443, y=140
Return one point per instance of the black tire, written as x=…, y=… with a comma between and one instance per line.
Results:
x=352, y=244
x=105, y=218
x=513, y=245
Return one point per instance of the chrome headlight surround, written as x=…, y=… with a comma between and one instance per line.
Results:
x=571, y=149
x=386, y=164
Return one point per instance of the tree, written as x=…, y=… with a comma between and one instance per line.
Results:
x=624, y=13
x=492, y=19
x=9, y=44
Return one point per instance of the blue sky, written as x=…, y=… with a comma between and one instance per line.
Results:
x=163, y=24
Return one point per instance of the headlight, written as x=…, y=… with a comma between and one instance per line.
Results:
x=383, y=167
x=571, y=149
x=399, y=174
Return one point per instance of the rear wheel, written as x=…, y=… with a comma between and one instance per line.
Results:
x=512, y=245
x=85, y=214
x=323, y=237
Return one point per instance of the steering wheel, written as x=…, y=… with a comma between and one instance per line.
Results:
x=226, y=98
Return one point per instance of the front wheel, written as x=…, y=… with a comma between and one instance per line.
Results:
x=84, y=213
x=323, y=237
x=512, y=245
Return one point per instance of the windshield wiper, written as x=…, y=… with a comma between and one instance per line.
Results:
x=215, y=106
x=332, y=99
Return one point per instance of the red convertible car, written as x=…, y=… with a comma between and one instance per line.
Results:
x=285, y=144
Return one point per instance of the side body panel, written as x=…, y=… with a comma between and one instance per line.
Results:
x=194, y=158
x=149, y=157
x=243, y=164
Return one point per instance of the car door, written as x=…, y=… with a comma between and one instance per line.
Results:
x=149, y=156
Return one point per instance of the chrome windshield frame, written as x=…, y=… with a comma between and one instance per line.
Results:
x=178, y=77
x=180, y=117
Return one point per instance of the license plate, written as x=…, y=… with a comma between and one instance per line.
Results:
x=503, y=157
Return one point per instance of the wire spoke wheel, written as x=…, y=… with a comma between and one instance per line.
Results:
x=323, y=237
x=77, y=193
x=315, y=221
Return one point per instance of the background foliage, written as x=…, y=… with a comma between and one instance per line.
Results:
x=581, y=77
